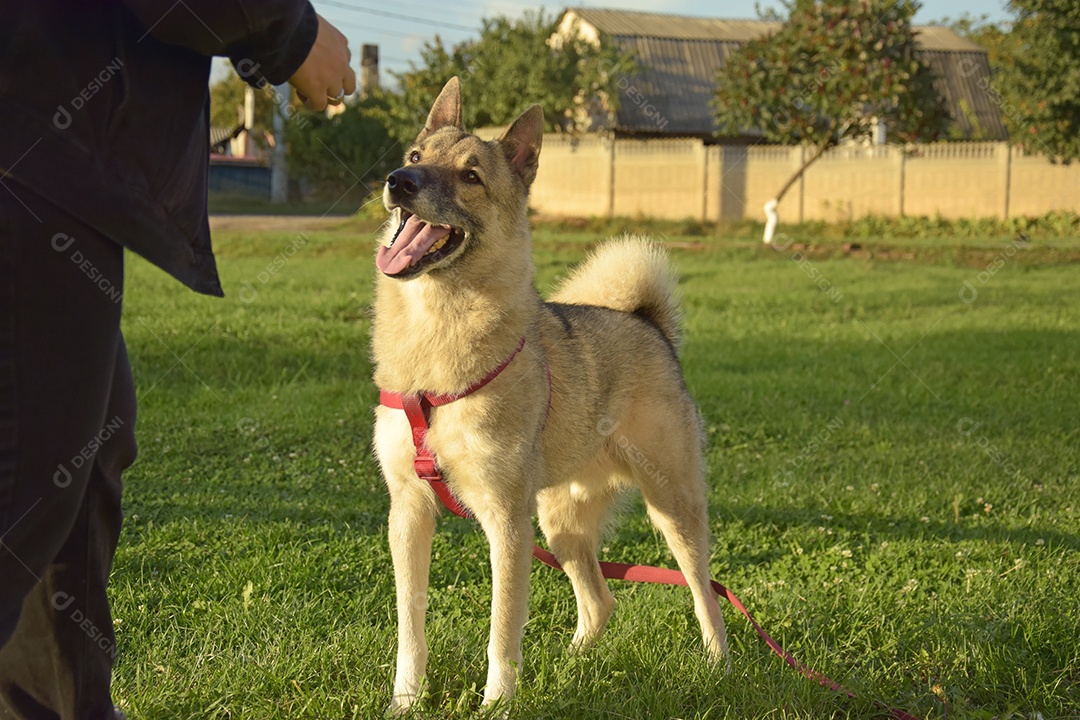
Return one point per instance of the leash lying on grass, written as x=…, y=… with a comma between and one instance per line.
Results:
x=417, y=407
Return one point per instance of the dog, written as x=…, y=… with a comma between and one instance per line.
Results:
x=590, y=399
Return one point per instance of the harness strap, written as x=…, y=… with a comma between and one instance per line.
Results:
x=417, y=407
x=397, y=400
x=418, y=411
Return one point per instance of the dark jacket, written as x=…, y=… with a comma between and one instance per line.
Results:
x=104, y=110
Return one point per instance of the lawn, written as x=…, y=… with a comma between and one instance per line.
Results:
x=894, y=493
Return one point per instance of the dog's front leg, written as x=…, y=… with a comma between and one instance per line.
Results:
x=509, y=531
x=411, y=527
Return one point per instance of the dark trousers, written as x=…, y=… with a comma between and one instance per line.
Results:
x=67, y=417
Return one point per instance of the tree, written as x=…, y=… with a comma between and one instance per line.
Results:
x=965, y=24
x=1040, y=77
x=405, y=111
x=227, y=107
x=511, y=64
x=345, y=150
x=833, y=70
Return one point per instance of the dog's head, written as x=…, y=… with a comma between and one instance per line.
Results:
x=456, y=193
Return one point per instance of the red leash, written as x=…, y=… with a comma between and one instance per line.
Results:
x=417, y=407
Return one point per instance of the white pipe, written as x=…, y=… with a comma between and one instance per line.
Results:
x=772, y=219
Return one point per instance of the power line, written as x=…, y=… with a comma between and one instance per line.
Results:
x=375, y=30
x=479, y=8
x=398, y=16
x=389, y=38
x=373, y=34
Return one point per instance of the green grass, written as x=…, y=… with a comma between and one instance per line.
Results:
x=1054, y=229
x=909, y=528
x=237, y=204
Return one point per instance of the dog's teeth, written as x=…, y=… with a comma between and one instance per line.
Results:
x=438, y=245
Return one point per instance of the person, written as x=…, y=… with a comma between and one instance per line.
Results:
x=105, y=146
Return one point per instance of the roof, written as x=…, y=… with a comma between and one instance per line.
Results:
x=685, y=27
x=678, y=27
x=220, y=135
x=679, y=57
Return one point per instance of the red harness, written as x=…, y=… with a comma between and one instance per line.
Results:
x=417, y=407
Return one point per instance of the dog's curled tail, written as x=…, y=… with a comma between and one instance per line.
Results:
x=631, y=274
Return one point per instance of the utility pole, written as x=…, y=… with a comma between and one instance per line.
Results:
x=249, y=120
x=369, y=70
x=279, y=174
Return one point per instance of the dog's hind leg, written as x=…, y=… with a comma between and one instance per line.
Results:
x=674, y=492
x=411, y=527
x=571, y=518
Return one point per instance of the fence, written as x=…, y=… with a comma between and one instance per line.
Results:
x=239, y=177
x=598, y=176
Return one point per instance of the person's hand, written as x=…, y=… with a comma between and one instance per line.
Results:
x=326, y=72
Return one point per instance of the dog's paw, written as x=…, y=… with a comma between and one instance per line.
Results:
x=719, y=656
x=500, y=688
x=591, y=624
x=496, y=708
x=400, y=706
x=726, y=664
x=581, y=644
x=408, y=693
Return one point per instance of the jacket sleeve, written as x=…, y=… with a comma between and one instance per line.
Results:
x=264, y=38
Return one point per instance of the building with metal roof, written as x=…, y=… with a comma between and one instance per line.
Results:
x=679, y=58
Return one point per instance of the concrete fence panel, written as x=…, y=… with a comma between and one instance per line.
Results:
x=574, y=178
x=768, y=167
x=1039, y=186
x=660, y=178
x=847, y=183
x=956, y=180
x=684, y=178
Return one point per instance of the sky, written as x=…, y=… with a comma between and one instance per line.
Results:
x=400, y=28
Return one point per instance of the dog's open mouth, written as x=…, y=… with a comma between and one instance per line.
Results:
x=417, y=244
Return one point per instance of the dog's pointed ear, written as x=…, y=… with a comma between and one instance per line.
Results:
x=446, y=112
x=521, y=142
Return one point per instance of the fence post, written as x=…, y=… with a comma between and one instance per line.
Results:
x=703, y=153
x=903, y=177
x=1007, y=171
x=611, y=178
x=802, y=179
x=731, y=183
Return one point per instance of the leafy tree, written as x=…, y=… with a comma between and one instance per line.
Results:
x=830, y=73
x=965, y=24
x=511, y=64
x=348, y=149
x=405, y=111
x=1040, y=77
x=227, y=107
x=768, y=13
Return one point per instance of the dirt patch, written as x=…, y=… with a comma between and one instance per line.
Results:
x=960, y=255
x=275, y=223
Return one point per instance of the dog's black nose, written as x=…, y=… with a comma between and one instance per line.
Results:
x=403, y=182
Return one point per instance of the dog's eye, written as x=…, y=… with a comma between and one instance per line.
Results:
x=414, y=156
x=471, y=177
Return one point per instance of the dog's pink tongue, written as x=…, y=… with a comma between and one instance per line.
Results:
x=415, y=239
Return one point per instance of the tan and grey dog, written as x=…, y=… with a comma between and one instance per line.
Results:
x=454, y=298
